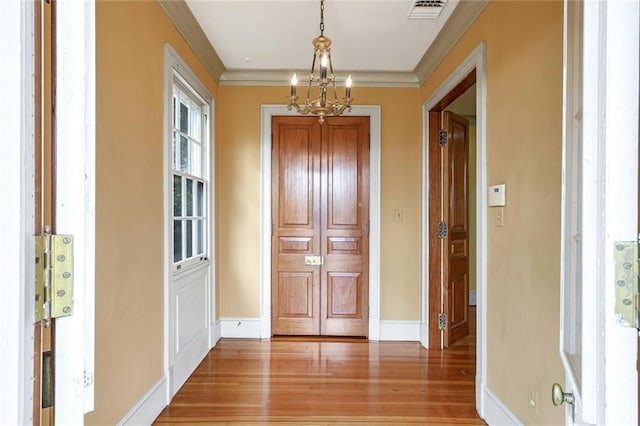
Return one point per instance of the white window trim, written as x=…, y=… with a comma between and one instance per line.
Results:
x=174, y=66
x=184, y=85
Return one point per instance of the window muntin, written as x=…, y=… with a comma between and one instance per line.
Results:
x=189, y=170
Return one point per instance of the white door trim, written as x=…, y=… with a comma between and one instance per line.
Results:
x=17, y=211
x=477, y=60
x=268, y=111
x=75, y=203
x=617, y=130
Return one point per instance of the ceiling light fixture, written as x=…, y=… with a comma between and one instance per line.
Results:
x=321, y=106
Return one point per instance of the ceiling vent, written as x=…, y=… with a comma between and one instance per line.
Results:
x=426, y=9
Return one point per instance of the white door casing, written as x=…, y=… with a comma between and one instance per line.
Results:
x=373, y=112
x=75, y=133
x=75, y=203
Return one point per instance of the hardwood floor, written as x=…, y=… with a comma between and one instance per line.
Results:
x=321, y=381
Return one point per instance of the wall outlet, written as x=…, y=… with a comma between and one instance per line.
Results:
x=533, y=399
x=397, y=215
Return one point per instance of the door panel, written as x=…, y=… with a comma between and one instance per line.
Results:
x=320, y=178
x=190, y=342
x=295, y=287
x=455, y=213
x=345, y=248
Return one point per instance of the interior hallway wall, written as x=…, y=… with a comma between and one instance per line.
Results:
x=524, y=140
x=130, y=39
x=238, y=205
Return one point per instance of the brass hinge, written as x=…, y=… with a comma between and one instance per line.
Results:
x=442, y=137
x=54, y=276
x=442, y=230
x=625, y=255
x=442, y=321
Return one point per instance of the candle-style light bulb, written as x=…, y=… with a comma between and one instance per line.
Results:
x=347, y=91
x=324, y=61
x=294, y=81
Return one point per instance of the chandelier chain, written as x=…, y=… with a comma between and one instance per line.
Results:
x=321, y=17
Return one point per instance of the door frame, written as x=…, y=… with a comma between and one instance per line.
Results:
x=611, y=62
x=373, y=112
x=476, y=60
x=75, y=204
x=17, y=223
x=75, y=111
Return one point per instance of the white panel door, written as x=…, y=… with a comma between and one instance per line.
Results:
x=600, y=208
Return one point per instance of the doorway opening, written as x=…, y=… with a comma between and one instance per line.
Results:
x=446, y=290
x=373, y=113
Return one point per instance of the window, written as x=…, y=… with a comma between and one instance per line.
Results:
x=189, y=165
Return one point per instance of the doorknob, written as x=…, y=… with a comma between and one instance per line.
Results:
x=559, y=396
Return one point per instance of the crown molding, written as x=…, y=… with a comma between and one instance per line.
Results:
x=282, y=77
x=187, y=25
x=462, y=17
x=460, y=20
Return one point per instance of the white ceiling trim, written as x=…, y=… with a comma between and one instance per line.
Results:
x=187, y=25
x=455, y=27
x=461, y=18
x=282, y=77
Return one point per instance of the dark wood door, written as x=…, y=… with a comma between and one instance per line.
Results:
x=455, y=255
x=320, y=221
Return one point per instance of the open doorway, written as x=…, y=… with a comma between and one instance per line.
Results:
x=464, y=84
x=449, y=218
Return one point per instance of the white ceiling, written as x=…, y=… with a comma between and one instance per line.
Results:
x=276, y=35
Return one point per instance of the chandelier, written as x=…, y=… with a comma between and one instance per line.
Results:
x=324, y=79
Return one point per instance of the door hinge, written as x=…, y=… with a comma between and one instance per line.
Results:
x=442, y=230
x=442, y=321
x=625, y=255
x=442, y=137
x=54, y=276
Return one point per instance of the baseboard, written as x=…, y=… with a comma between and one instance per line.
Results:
x=400, y=330
x=250, y=328
x=217, y=327
x=243, y=328
x=496, y=413
x=149, y=407
x=472, y=298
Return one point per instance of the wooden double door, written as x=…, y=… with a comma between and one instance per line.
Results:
x=320, y=226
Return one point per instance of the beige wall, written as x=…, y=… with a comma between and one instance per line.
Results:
x=524, y=64
x=130, y=39
x=238, y=197
x=524, y=113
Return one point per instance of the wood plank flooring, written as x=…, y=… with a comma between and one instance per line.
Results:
x=323, y=381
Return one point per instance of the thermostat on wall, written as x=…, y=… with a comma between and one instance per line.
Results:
x=497, y=195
